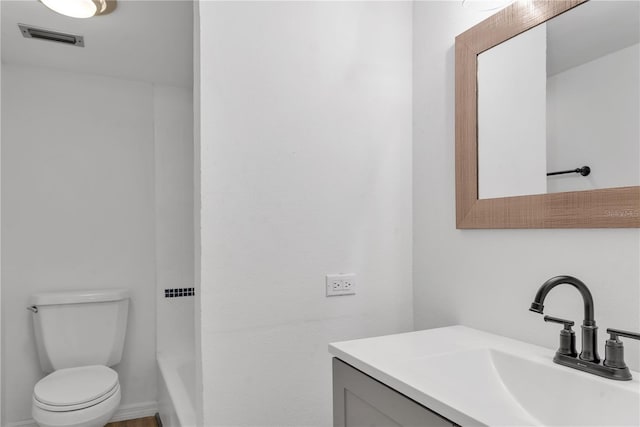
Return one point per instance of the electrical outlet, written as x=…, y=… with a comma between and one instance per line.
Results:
x=334, y=284
x=340, y=284
x=349, y=283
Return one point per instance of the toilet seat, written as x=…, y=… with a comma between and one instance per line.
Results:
x=74, y=389
x=93, y=416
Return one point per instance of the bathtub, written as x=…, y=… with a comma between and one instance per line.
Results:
x=176, y=391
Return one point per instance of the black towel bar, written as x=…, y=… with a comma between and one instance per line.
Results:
x=584, y=171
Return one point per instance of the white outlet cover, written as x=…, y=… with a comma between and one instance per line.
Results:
x=340, y=284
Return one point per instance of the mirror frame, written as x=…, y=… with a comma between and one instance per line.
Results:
x=603, y=208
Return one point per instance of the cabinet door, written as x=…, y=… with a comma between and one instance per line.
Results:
x=359, y=400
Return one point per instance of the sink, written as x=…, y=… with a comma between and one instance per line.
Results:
x=475, y=378
x=529, y=392
x=556, y=395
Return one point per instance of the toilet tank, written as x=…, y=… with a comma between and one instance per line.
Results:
x=79, y=328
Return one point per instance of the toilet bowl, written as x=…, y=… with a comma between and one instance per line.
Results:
x=84, y=396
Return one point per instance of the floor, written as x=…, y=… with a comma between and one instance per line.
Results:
x=138, y=422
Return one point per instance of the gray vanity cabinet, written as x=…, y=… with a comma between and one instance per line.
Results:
x=359, y=400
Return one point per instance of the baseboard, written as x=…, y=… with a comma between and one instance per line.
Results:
x=125, y=412
x=135, y=410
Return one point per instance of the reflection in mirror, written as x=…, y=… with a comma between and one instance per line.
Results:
x=563, y=95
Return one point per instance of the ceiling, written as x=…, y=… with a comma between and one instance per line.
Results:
x=149, y=40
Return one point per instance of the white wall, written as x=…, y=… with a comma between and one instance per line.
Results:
x=305, y=170
x=593, y=112
x=77, y=212
x=173, y=135
x=487, y=278
x=512, y=108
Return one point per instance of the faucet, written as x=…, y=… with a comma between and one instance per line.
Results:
x=613, y=366
x=589, y=328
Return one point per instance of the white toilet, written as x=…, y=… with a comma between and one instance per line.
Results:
x=78, y=336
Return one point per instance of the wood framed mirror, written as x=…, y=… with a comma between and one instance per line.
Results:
x=615, y=207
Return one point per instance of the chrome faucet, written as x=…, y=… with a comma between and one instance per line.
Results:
x=613, y=366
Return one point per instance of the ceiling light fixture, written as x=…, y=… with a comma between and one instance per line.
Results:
x=77, y=8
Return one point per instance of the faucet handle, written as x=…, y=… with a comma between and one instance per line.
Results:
x=614, y=350
x=567, y=336
x=614, y=333
x=567, y=323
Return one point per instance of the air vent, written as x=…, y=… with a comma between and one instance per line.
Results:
x=31, y=32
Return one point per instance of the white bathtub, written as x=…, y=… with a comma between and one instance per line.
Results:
x=176, y=399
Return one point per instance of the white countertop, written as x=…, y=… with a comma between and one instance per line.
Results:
x=467, y=395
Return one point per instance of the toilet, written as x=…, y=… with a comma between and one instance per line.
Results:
x=79, y=336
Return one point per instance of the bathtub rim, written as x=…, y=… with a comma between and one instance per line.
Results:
x=178, y=394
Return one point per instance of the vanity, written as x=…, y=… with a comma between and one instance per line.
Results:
x=462, y=376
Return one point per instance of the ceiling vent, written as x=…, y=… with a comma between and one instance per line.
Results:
x=31, y=32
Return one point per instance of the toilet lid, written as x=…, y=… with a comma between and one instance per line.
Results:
x=75, y=386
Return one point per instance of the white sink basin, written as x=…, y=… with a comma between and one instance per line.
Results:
x=560, y=396
x=476, y=378
x=535, y=393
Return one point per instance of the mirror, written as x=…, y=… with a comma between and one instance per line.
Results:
x=569, y=91
x=543, y=89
